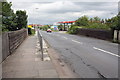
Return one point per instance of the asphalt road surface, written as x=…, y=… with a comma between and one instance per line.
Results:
x=88, y=57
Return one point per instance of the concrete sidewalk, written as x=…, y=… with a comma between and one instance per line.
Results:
x=26, y=62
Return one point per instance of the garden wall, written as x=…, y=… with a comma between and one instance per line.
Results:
x=11, y=40
x=96, y=33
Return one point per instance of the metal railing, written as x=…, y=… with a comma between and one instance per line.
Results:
x=41, y=42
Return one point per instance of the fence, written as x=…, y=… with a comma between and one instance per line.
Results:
x=41, y=42
x=11, y=40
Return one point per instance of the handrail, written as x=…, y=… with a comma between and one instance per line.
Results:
x=41, y=43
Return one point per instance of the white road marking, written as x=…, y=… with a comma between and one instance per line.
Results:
x=106, y=51
x=65, y=38
x=77, y=41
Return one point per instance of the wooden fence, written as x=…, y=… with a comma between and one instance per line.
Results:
x=11, y=40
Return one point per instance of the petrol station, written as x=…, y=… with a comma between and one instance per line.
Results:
x=66, y=24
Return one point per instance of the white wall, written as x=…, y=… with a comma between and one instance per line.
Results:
x=115, y=35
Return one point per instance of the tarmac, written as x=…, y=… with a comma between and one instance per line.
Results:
x=26, y=62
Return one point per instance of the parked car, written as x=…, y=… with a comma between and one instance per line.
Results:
x=49, y=30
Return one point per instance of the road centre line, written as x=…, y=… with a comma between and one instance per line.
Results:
x=77, y=41
x=106, y=51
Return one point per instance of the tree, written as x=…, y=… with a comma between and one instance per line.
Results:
x=96, y=19
x=113, y=22
x=21, y=19
x=102, y=21
x=8, y=17
x=91, y=20
x=118, y=20
x=12, y=21
x=82, y=21
x=60, y=27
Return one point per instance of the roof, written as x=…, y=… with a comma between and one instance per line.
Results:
x=67, y=22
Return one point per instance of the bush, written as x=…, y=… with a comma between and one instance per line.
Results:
x=73, y=29
x=44, y=28
x=98, y=26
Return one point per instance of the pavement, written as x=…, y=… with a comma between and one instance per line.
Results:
x=26, y=62
x=88, y=57
x=65, y=56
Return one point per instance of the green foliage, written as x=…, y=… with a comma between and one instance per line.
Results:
x=95, y=23
x=73, y=29
x=60, y=27
x=32, y=31
x=96, y=19
x=98, y=26
x=44, y=28
x=21, y=19
x=114, y=22
x=10, y=20
x=98, y=23
x=82, y=21
x=118, y=22
x=8, y=17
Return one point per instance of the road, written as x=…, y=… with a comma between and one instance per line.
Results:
x=88, y=57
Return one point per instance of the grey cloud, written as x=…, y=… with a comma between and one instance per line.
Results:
x=64, y=0
x=119, y=6
x=98, y=5
x=85, y=6
x=50, y=14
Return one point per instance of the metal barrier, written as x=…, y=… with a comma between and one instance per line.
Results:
x=41, y=42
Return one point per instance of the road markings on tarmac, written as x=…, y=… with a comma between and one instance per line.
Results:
x=106, y=51
x=77, y=41
x=65, y=38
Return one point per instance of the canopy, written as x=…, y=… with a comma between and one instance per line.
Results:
x=67, y=22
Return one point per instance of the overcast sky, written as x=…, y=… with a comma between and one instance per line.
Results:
x=51, y=11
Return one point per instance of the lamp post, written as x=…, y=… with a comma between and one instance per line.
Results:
x=41, y=42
